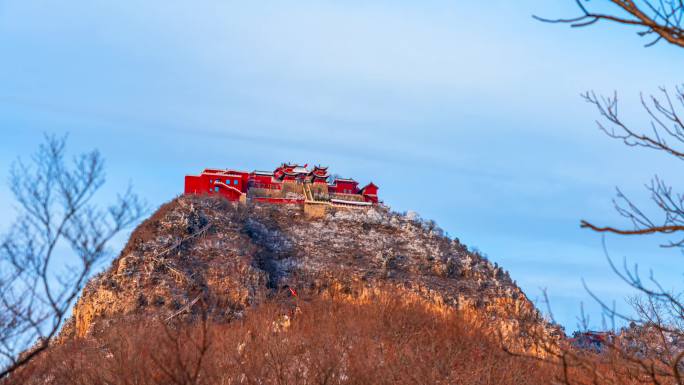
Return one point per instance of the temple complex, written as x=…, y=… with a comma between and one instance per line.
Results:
x=287, y=184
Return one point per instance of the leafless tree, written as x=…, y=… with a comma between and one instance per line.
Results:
x=665, y=133
x=59, y=237
x=651, y=348
x=657, y=19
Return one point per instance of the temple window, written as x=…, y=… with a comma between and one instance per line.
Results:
x=216, y=189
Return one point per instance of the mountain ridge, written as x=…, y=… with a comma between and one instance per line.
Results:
x=235, y=255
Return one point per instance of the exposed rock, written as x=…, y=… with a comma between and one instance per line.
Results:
x=234, y=255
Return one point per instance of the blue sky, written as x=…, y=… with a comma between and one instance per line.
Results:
x=476, y=98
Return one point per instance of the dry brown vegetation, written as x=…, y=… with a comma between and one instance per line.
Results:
x=620, y=360
x=327, y=342
x=319, y=341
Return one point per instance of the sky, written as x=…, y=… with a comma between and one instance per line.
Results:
x=466, y=112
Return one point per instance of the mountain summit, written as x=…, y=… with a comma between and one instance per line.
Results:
x=234, y=255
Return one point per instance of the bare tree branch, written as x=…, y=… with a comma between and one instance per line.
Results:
x=38, y=284
x=660, y=19
x=666, y=134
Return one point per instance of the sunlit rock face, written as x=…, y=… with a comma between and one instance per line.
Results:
x=230, y=256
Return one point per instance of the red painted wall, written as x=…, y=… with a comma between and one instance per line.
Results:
x=345, y=187
x=230, y=186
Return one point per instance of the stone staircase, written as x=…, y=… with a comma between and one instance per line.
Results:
x=308, y=196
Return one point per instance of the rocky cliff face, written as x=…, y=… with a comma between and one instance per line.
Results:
x=234, y=255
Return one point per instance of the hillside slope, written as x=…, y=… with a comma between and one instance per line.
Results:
x=234, y=255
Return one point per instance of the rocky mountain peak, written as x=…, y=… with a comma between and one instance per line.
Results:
x=234, y=255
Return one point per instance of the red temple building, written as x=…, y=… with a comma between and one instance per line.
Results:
x=289, y=183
